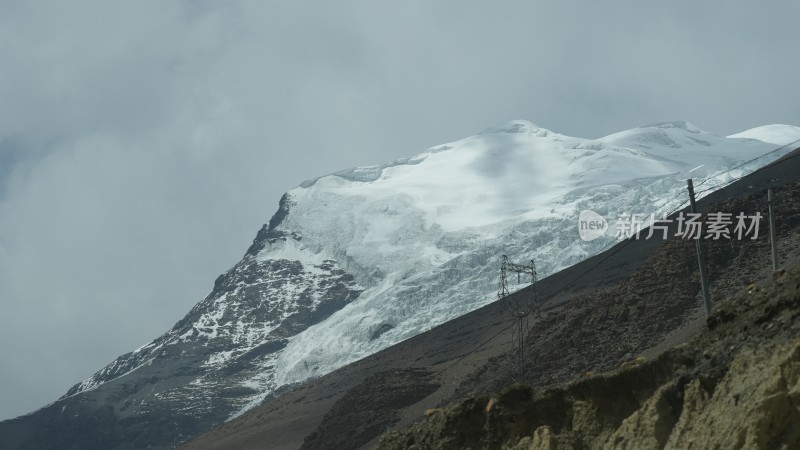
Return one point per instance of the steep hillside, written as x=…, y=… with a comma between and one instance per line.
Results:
x=735, y=385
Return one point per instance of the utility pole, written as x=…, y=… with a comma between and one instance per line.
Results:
x=772, y=241
x=701, y=260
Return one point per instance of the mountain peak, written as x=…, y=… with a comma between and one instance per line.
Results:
x=778, y=134
x=682, y=124
x=516, y=126
x=661, y=136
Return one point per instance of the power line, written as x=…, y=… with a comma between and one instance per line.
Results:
x=749, y=161
x=735, y=179
x=723, y=185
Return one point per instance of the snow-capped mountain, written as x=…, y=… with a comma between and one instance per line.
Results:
x=358, y=260
x=424, y=236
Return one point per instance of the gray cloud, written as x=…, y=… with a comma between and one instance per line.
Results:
x=143, y=143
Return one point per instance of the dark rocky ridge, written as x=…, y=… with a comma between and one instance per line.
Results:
x=268, y=233
x=199, y=373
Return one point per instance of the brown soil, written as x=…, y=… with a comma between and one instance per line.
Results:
x=370, y=408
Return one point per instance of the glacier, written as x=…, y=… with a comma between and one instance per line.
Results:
x=424, y=236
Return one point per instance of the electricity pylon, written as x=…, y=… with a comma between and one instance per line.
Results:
x=519, y=308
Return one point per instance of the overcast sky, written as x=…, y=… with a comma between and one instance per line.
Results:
x=143, y=143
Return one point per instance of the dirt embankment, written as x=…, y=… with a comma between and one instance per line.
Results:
x=370, y=408
x=735, y=385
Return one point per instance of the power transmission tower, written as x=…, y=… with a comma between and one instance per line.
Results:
x=519, y=308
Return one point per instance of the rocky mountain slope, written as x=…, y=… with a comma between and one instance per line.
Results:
x=638, y=298
x=359, y=260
